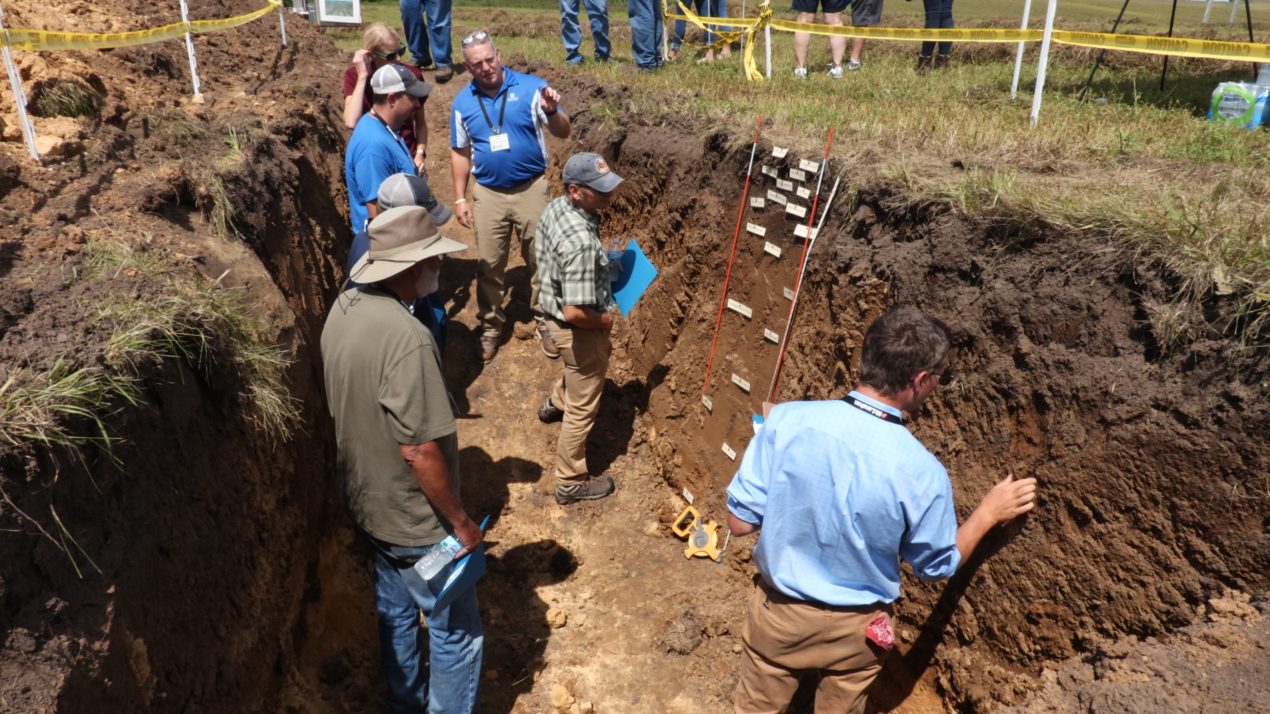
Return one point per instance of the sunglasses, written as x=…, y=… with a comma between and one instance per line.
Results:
x=475, y=38
x=391, y=56
x=946, y=376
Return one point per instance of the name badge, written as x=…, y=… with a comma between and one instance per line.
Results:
x=500, y=142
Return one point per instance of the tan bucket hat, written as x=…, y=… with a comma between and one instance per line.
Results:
x=399, y=238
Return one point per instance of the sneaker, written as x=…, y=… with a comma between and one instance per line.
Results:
x=443, y=75
x=592, y=489
x=835, y=72
x=489, y=347
x=573, y=61
x=941, y=61
x=600, y=58
x=425, y=65
x=923, y=64
x=549, y=347
x=800, y=73
x=549, y=413
x=852, y=66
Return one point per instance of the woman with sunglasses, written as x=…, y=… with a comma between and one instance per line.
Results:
x=382, y=46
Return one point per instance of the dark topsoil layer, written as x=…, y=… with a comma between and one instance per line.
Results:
x=1152, y=462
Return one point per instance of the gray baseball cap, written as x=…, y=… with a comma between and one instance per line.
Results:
x=396, y=79
x=411, y=190
x=590, y=170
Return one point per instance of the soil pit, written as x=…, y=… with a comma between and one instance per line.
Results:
x=230, y=580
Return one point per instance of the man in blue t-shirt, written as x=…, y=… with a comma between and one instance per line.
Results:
x=376, y=150
x=842, y=491
x=498, y=137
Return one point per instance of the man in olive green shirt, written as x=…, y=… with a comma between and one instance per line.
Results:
x=398, y=459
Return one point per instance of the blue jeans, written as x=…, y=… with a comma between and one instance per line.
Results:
x=701, y=7
x=456, y=640
x=598, y=12
x=645, y=17
x=938, y=17
x=438, y=30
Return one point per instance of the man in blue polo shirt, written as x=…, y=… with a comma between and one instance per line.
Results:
x=842, y=491
x=375, y=150
x=498, y=137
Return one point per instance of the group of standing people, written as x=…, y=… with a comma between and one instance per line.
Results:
x=839, y=490
x=381, y=344
x=865, y=13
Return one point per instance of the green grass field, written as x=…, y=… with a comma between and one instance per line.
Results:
x=1132, y=166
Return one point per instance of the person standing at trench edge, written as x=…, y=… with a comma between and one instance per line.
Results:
x=497, y=138
x=842, y=491
x=398, y=460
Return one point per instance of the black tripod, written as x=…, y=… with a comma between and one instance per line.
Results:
x=1165, y=71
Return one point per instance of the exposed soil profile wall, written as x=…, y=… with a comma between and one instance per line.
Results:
x=1152, y=464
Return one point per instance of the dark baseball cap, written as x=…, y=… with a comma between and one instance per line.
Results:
x=590, y=170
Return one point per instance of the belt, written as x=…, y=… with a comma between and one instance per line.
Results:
x=515, y=188
x=561, y=323
x=781, y=598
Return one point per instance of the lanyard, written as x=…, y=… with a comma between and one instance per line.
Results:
x=502, y=109
x=395, y=136
x=870, y=409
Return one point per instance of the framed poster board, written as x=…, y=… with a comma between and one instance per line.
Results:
x=339, y=12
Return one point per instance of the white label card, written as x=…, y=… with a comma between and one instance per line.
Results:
x=797, y=175
x=809, y=166
x=756, y=229
x=767, y=171
x=729, y=451
x=784, y=185
x=771, y=248
x=788, y=292
x=757, y=202
x=801, y=231
x=803, y=192
x=500, y=142
x=740, y=308
x=688, y=496
x=794, y=209
x=708, y=402
x=779, y=152
x=775, y=197
x=771, y=336
x=740, y=382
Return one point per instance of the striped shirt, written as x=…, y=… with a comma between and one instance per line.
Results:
x=572, y=263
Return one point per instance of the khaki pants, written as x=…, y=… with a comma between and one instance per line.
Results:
x=497, y=212
x=585, y=354
x=785, y=637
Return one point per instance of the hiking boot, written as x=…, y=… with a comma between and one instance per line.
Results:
x=489, y=347
x=549, y=347
x=923, y=64
x=835, y=72
x=443, y=75
x=941, y=61
x=800, y=73
x=592, y=489
x=549, y=413
x=852, y=66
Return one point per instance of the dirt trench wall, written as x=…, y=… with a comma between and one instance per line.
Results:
x=1151, y=463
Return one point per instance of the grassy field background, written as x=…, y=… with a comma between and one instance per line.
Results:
x=1134, y=166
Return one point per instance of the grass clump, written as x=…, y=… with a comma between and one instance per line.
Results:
x=39, y=407
x=64, y=98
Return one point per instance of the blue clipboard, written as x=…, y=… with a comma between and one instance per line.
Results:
x=637, y=274
x=463, y=575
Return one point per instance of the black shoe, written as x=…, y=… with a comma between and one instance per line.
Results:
x=444, y=74
x=425, y=65
x=592, y=489
x=549, y=413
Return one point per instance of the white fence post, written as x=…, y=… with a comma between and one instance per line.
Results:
x=1018, y=56
x=1045, y=57
x=19, y=97
x=189, y=50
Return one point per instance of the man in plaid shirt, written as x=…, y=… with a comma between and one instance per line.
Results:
x=577, y=299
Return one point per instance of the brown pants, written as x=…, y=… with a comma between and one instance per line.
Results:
x=585, y=354
x=497, y=213
x=784, y=637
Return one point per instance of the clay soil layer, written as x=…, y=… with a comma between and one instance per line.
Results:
x=225, y=576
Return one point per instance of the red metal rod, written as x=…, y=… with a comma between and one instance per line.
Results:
x=736, y=235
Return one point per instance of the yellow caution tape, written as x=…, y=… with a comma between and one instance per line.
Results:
x=37, y=40
x=1172, y=46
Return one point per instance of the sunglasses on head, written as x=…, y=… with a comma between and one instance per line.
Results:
x=475, y=38
x=391, y=56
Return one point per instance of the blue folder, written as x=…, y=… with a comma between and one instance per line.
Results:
x=637, y=274
x=463, y=575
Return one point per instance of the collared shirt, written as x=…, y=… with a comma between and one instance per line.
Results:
x=572, y=263
x=841, y=496
x=374, y=153
x=523, y=122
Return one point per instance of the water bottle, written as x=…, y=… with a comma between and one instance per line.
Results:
x=437, y=557
x=615, y=252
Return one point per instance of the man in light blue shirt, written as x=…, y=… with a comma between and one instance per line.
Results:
x=842, y=491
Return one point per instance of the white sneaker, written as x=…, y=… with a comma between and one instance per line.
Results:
x=835, y=72
x=800, y=73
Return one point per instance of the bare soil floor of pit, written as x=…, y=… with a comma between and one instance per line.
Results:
x=231, y=580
